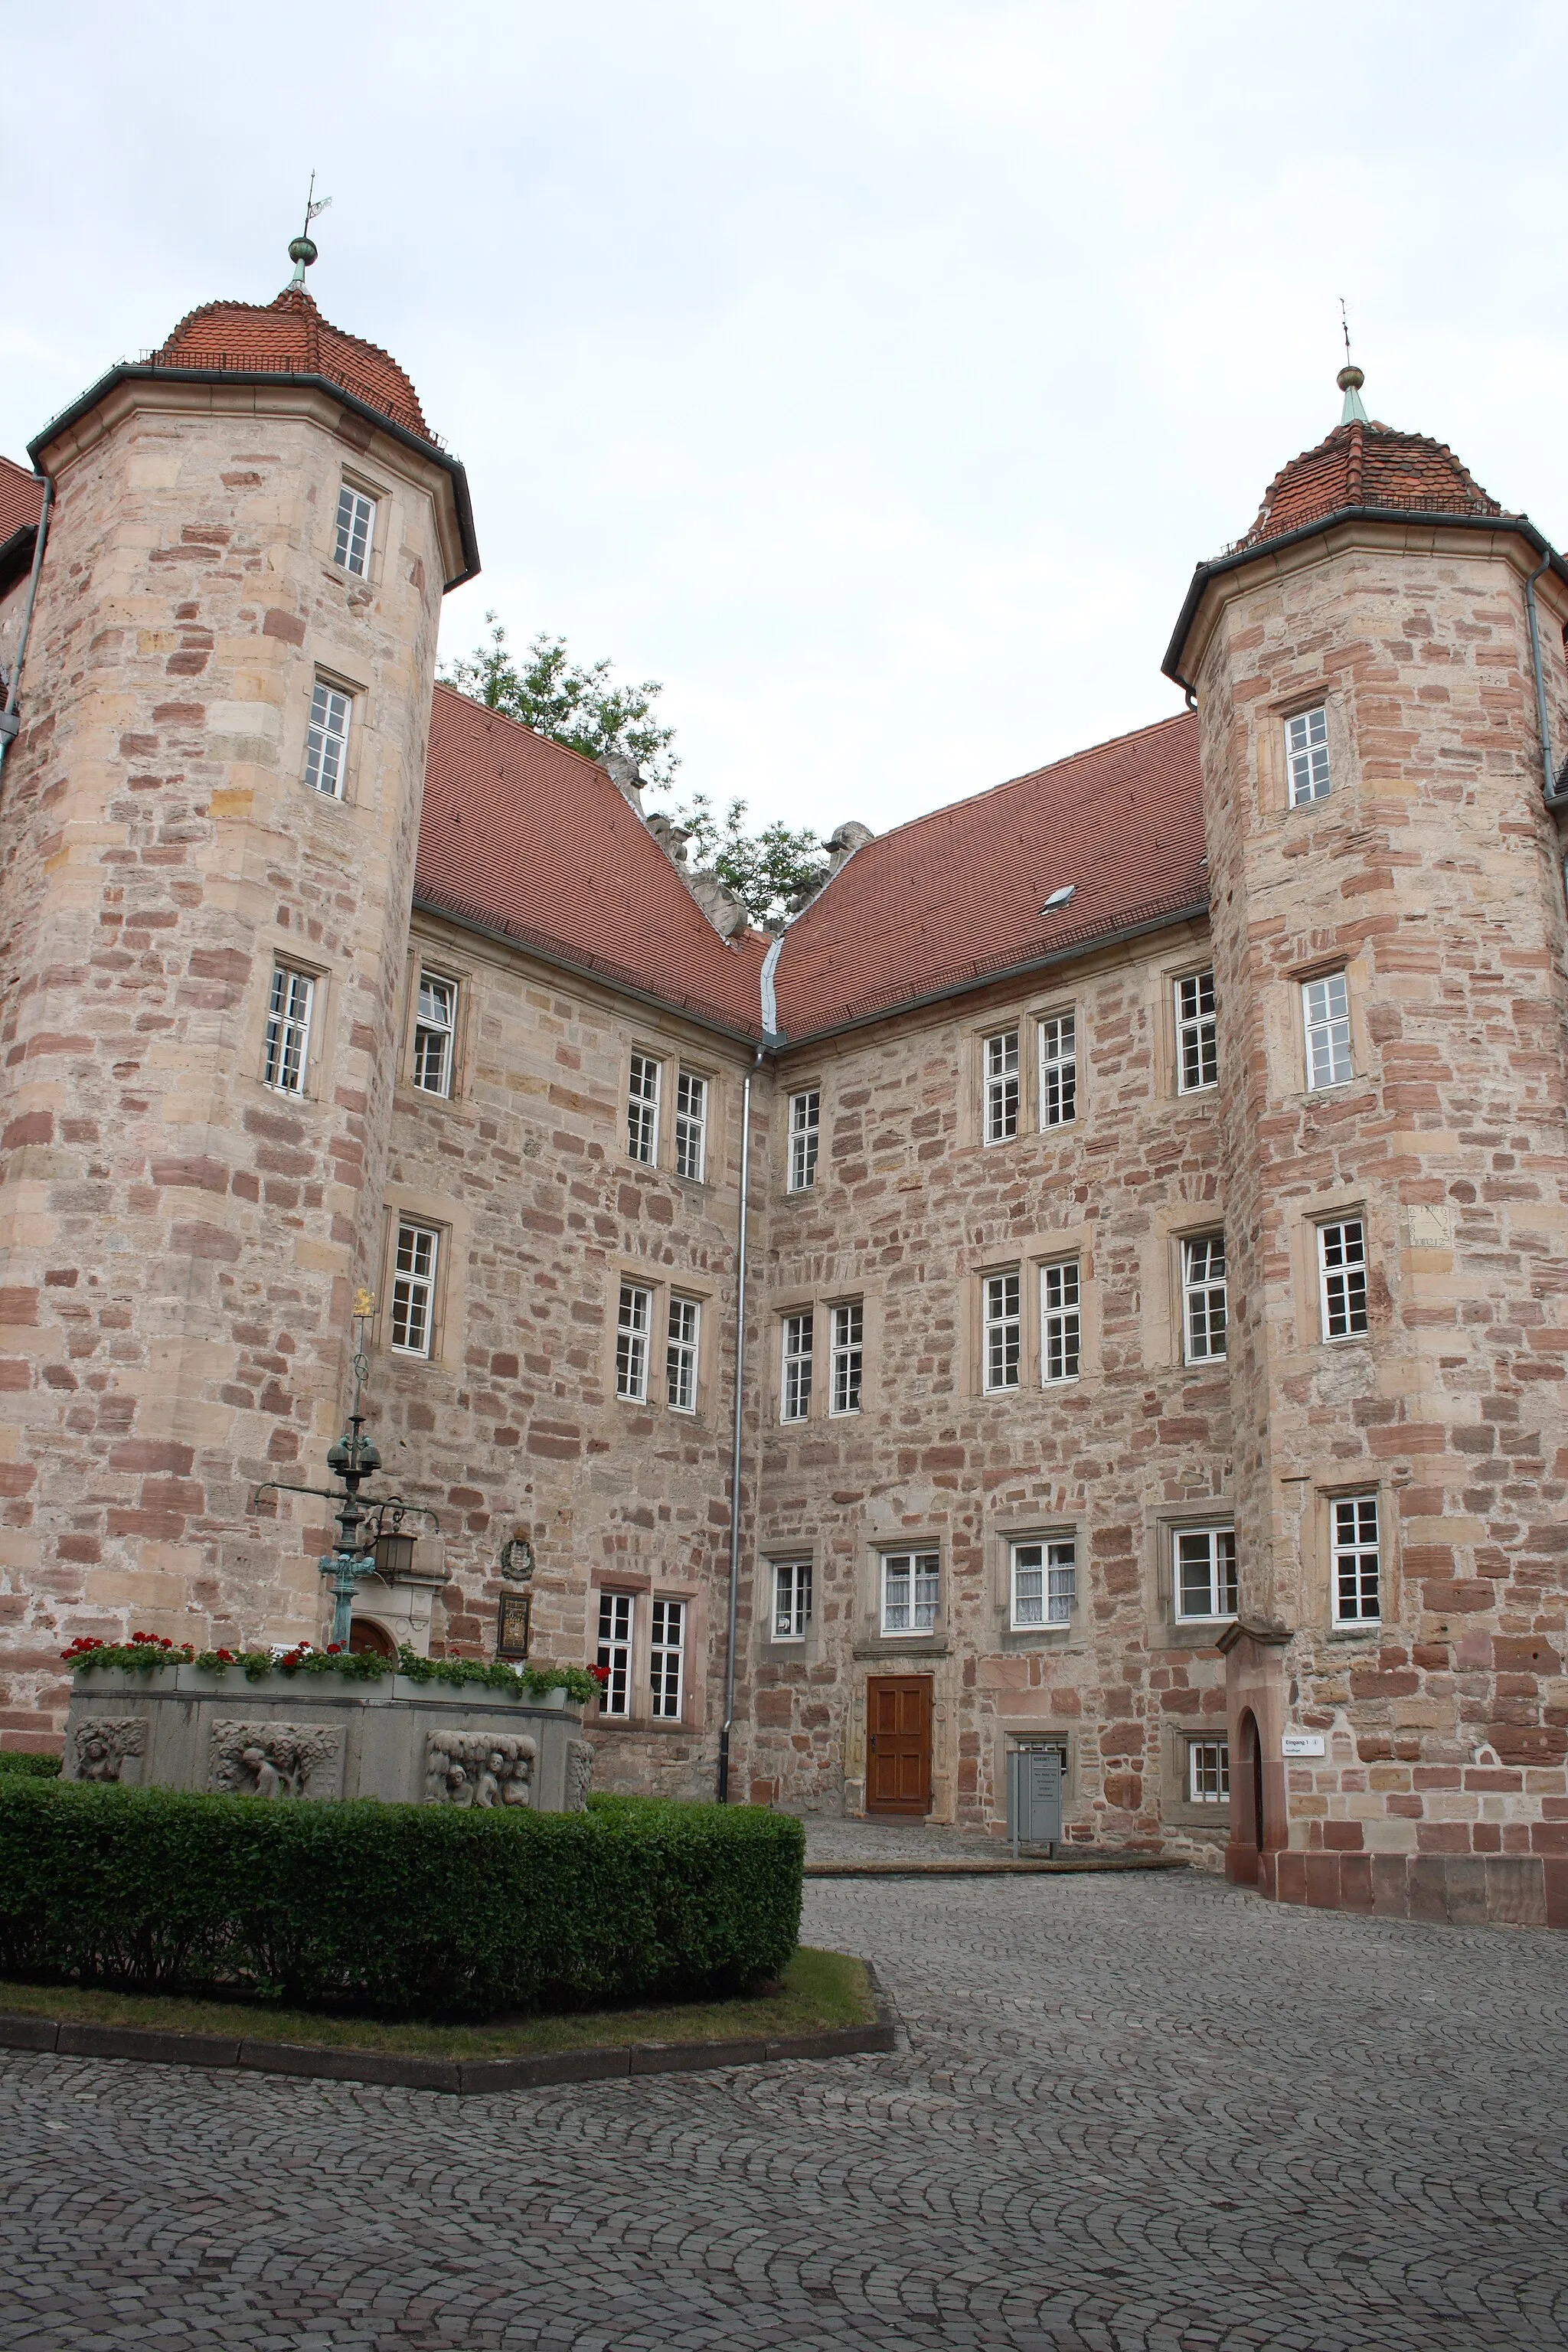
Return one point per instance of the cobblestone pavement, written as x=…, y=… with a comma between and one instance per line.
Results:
x=1137, y=2115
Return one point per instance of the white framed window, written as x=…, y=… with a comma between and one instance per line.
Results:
x=798, y=1330
x=414, y=1287
x=642, y=1109
x=1204, y=1313
x=327, y=740
x=1058, y=1069
x=792, y=1599
x=805, y=1130
x=849, y=1350
x=1342, y=1278
x=1307, y=752
x=1197, y=1033
x=356, y=528
x=616, y=1651
x=1206, y=1572
x=666, y=1652
x=690, y=1125
x=680, y=1354
x=1358, y=1560
x=1001, y=1055
x=632, y=1325
x=1044, y=1583
x=911, y=1587
x=435, y=1031
x=1326, y=1019
x=1002, y=1329
x=1209, y=1771
x=1060, y=1321
x=288, y=1009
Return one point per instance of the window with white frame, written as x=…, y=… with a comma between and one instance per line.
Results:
x=911, y=1587
x=632, y=1321
x=1209, y=1771
x=1326, y=1018
x=1197, y=1033
x=1358, y=1562
x=792, y=1599
x=691, y=1125
x=680, y=1354
x=1060, y=1325
x=1002, y=1318
x=642, y=1109
x=327, y=740
x=1001, y=1055
x=287, y=1054
x=667, y=1650
x=356, y=528
x=1058, y=1069
x=1342, y=1277
x=1044, y=1583
x=1206, y=1572
x=435, y=1029
x=1203, y=1296
x=805, y=1130
x=796, y=1399
x=616, y=1651
x=1307, y=751
x=849, y=1349
x=414, y=1287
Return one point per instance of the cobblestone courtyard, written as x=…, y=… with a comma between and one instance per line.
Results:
x=1134, y=2112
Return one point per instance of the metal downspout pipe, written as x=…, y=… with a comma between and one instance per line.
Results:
x=1554, y=799
x=9, y=722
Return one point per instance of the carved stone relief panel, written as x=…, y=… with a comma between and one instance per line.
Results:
x=479, y=1768
x=579, y=1773
x=269, y=1758
x=111, y=1747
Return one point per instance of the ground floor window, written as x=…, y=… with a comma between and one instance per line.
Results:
x=616, y=1651
x=792, y=1600
x=668, y=1651
x=1209, y=1771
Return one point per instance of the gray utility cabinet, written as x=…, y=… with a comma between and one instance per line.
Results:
x=1035, y=1797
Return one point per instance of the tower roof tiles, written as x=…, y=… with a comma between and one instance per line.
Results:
x=1367, y=464
x=290, y=337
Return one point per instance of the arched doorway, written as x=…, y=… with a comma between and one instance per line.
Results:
x=1248, y=1798
x=366, y=1635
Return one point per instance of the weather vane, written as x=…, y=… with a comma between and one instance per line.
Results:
x=302, y=248
x=1344, y=321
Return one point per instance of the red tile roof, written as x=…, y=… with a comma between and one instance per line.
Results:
x=21, y=499
x=289, y=337
x=525, y=838
x=1367, y=466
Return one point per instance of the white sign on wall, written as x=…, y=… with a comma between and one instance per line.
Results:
x=1302, y=1743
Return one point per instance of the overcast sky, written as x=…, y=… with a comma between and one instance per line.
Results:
x=871, y=373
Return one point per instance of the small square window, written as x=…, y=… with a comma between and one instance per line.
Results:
x=634, y=1320
x=1197, y=1033
x=1060, y=1321
x=690, y=1125
x=1342, y=1278
x=798, y=1329
x=642, y=1110
x=1044, y=1583
x=804, y=1127
x=1206, y=1572
x=680, y=1354
x=1001, y=1053
x=1307, y=751
x=614, y=1651
x=792, y=1600
x=911, y=1586
x=327, y=740
x=1058, y=1069
x=287, y=1054
x=1208, y=1772
x=848, y=1339
x=414, y=1288
x=1001, y=1353
x=435, y=1029
x=356, y=528
x=1326, y=1017
x=1203, y=1296
x=1358, y=1560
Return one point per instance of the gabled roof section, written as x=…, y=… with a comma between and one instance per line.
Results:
x=289, y=337
x=1367, y=464
x=956, y=898
x=21, y=503
x=524, y=838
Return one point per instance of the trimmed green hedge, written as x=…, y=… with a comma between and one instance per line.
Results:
x=23, y=1759
x=393, y=1910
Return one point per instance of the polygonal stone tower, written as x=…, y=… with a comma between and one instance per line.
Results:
x=209, y=827
x=1376, y=666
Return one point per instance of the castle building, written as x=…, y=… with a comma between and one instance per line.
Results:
x=1152, y=1172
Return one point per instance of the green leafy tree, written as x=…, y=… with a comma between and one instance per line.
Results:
x=554, y=695
x=770, y=872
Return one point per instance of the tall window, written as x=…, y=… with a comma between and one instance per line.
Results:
x=1342, y=1277
x=1197, y=1034
x=1059, y=1324
x=642, y=1109
x=680, y=1354
x=414, y=1288
x=1206, y=1572
x=848, y=1355
x=435, y=1026
x=805, y=1126
x=1357, y=1560
x=1003, y=1329
x=1001, y=1087
x=1326, y=1017
x=631, y=1342
x=1209, y=1771
x=289, y=1030
x=666, y=1651
x=912, y=1585
x=792, y=1600
x=1307, y=750
x=616, y=1651
x=690, y=1125
x=327, y=740
x=1203, y=1296
x=356, y=528
x=1044, y=1583
x=797, y=1344
x=1058, y=1069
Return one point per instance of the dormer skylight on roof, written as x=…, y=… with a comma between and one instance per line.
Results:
x=1058, y=899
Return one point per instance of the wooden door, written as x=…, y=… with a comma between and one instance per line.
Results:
x=897, y=1760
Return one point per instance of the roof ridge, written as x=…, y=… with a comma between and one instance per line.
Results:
x=534, y=734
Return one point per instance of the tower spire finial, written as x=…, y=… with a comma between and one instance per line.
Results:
x=1350, y=378
x=302, y=248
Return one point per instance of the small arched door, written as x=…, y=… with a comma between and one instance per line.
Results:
x=366, y=1634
